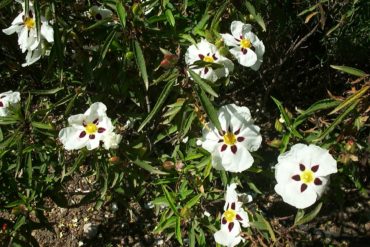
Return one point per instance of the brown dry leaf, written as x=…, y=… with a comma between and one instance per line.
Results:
x=308, y=17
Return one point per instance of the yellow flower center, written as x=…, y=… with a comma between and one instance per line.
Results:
x=230, y=215
x=208, y=59
x=307, y=176
x=245, y=43
x=29, y=22
x=229, y=138
x=91, y=128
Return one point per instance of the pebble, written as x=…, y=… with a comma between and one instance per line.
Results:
x=90, y=230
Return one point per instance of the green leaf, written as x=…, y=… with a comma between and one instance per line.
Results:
x=178, y=230
x=170, y=200
x=106, y=45
x=298, y=216
x=47, y=91
x=193, y=201
x=160, y=101
x=4, y=3
x=202, y=84
x=319, y=105
x=350, y=70
x=170, y=17
x=208, y=108
x=96, y=25
x=140, y=61
x=263, y=224
x=300, y=219
x=256, y=15
x=121, y=13
x=145, y=165
x=337, y=121
x=218, y=16
x=42, y=126
x=350, y=100
x=20, y=222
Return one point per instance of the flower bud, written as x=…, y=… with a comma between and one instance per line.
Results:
x=114, y=160
x=129, y=55
x=350, y=146
x=168, y=165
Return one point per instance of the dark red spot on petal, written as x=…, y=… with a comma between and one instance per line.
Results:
x=303, y=187
x=101, y=130
x=296, y=177
x=244, y=51
x=237, y=132
x=96, y=121
x=92, y=137
x=230, y=226
x=223, y=148
x=240, y=139
x=302, y=167
x=234, y=149
x=238, y=217
x=224, y=221
x=317, y=181
x=206, y=70
x=82, y=134
x=233, y=206
x=315, y=168
x=30, y=14
x=237, y=39
x=221, y=140
x=201, y=56
x=1, y=104
x=229, y=129
x=241, y=37
x=84, y=123
x=221, y=133
x=214, y=57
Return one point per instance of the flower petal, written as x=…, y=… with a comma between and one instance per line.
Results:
x=229, y=40
x=70, y=137
x=239, y=28
x=47, y=32
x=247, y=59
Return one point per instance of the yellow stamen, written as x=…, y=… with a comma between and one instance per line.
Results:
x=91, y=128
x=230, y=215
x=245, y=43
x=29, y=22
x=307, y=176
x=208, y=59
x=229, y=138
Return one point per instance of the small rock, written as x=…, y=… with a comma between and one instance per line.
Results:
x=90, y=230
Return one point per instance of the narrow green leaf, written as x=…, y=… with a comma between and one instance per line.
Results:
x=106, y=45
x=193, y=201
x=337, y=121
x=47, y=91
x=178, y=230
x=20, y=222
x=96, y=25
x=29, y=169
x=202, y=84
x=40, y=125
x=160, y=101
x=350, y=70
x=218, y=16
x=208, y=108
x=121, y=13
x=140, y=61
x=255, y=15
x=145, y=165
x=350, y=100
x=298, y=216
x=170, y=17
x=170, y=200
x=308, y=217
x=317, y=106
x=37, y=17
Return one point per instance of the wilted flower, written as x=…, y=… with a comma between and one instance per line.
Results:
x=233, y=216
x=243, y=40
x=28, y=40
x=207, y=52
x=111, y=140
x=231, y=147
x=88, y=129
x=100, y=13
x=302, y=174
x=6, y=99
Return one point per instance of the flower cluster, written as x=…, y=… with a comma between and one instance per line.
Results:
x=88, y=129
x=7, y=99
x=28, y=37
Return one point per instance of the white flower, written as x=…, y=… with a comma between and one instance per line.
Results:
x=230, y=149
x=100, y=13
x=111, y=140
x=7, y=99
x=25, y=26
x=88, y=129
x=207, y=52
x=242, y=40
x=233, y=216
x=302, y=174
x=33, y=56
